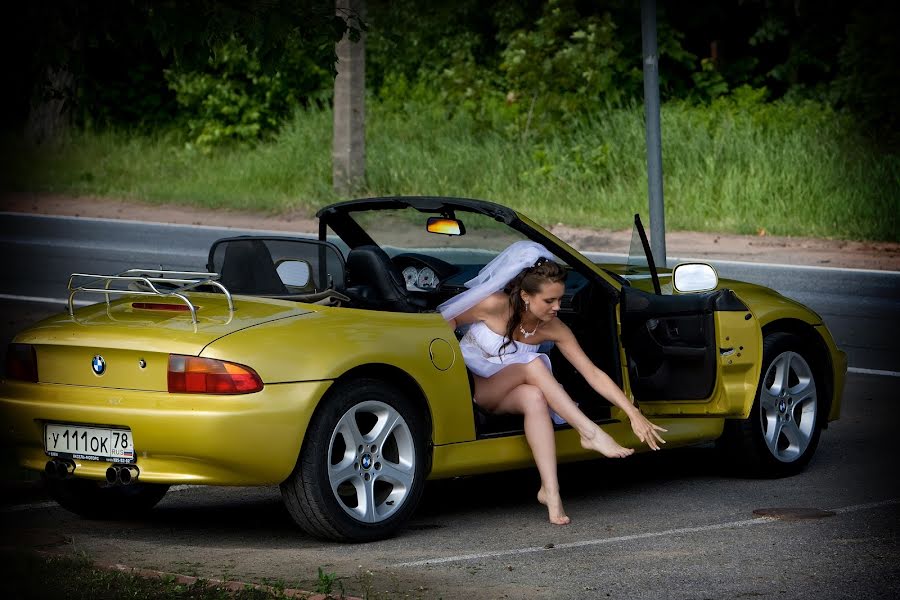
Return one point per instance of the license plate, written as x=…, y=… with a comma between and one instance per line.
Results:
x=89, y=443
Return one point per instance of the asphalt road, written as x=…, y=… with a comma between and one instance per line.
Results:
x=663, y=525
x=862, y=308
x=673, y=524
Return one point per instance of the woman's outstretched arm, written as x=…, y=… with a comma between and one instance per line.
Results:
x=646, y=431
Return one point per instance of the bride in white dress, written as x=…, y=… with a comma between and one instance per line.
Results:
x=512, y=306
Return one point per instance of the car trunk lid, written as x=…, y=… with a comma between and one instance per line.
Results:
x=126, y=344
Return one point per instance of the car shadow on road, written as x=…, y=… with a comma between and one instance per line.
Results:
x=582, y=480
x=224, y=517
x=249, y=517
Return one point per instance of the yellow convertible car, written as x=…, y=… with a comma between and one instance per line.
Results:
x=322, y=365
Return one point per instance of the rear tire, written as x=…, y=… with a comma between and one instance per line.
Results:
x=780, y=436
x=362, y=466
x=98, y=500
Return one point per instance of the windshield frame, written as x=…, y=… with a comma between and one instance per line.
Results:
x=339, y=218
x=640, y=256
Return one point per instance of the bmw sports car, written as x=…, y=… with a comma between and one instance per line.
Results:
x=322, y=365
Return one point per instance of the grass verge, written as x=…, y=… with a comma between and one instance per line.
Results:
x=736, y=166
x=32, y=576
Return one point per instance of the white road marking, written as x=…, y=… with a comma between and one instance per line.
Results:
x=43, y=300
x=162, y=223
x=672, y=261
x=873, y=372
x=629, y=538
x=866, y=506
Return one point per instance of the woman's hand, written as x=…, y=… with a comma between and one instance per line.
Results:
x=646, y=431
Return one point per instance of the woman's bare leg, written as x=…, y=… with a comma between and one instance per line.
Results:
x=528, y=400
x=489, y=391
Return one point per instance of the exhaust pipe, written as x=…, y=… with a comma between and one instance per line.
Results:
x=128, y=474
x=122, y=474
x=59, y=469
x=112, y=475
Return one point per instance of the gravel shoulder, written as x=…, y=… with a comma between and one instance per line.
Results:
x=679, y=244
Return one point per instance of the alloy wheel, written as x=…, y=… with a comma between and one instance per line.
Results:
x=372, y=461
x=788, y=405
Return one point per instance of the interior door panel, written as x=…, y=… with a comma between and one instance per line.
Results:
x=670, y=343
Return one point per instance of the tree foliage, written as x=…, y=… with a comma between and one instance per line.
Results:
x=232, y=98
x=547, y=62
x=567, y=62
x=117, y=54
x=521, y=64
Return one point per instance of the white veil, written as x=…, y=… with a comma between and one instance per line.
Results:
x=494, y=276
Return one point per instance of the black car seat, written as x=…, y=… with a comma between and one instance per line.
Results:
x=374, y=282
x=248, y=268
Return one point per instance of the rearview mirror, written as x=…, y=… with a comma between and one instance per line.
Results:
x=445, y=226
x=694, y=277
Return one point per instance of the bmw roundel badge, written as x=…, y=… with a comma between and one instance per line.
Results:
x=98, y=365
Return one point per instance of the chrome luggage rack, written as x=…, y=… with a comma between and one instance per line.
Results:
x=147, y=282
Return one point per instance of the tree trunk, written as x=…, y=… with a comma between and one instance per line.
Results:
x=50, y=114
x=349, y=150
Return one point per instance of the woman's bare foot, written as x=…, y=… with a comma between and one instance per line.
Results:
x=553, y=502
x=603, y=443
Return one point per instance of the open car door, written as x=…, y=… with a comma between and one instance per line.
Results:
x=687, y=353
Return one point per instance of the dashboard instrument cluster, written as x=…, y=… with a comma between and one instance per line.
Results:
x=420, y=278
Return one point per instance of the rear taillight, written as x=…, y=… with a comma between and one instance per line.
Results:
x=195, y=375
x=21, y=362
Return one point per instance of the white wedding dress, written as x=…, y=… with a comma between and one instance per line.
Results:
x=481, y=352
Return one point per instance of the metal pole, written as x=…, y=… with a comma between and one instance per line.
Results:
x=654, y=135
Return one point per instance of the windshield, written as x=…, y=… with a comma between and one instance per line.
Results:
x=403, y=230
x=438, y=261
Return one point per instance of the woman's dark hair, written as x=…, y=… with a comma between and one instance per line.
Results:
x=530, y=280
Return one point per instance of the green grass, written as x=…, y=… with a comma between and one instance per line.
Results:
x=73, y=578
x=732, y=167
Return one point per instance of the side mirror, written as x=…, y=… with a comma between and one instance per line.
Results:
x=694, y=277
x=445, y=226
x=294, y=273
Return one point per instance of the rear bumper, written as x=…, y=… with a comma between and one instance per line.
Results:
x=251, y=439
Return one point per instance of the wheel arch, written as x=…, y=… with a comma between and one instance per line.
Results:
x=307, y=493
x=815, y=345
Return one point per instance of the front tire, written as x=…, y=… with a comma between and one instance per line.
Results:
x=781, y=434
x=98, y=500
x=362, y=466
